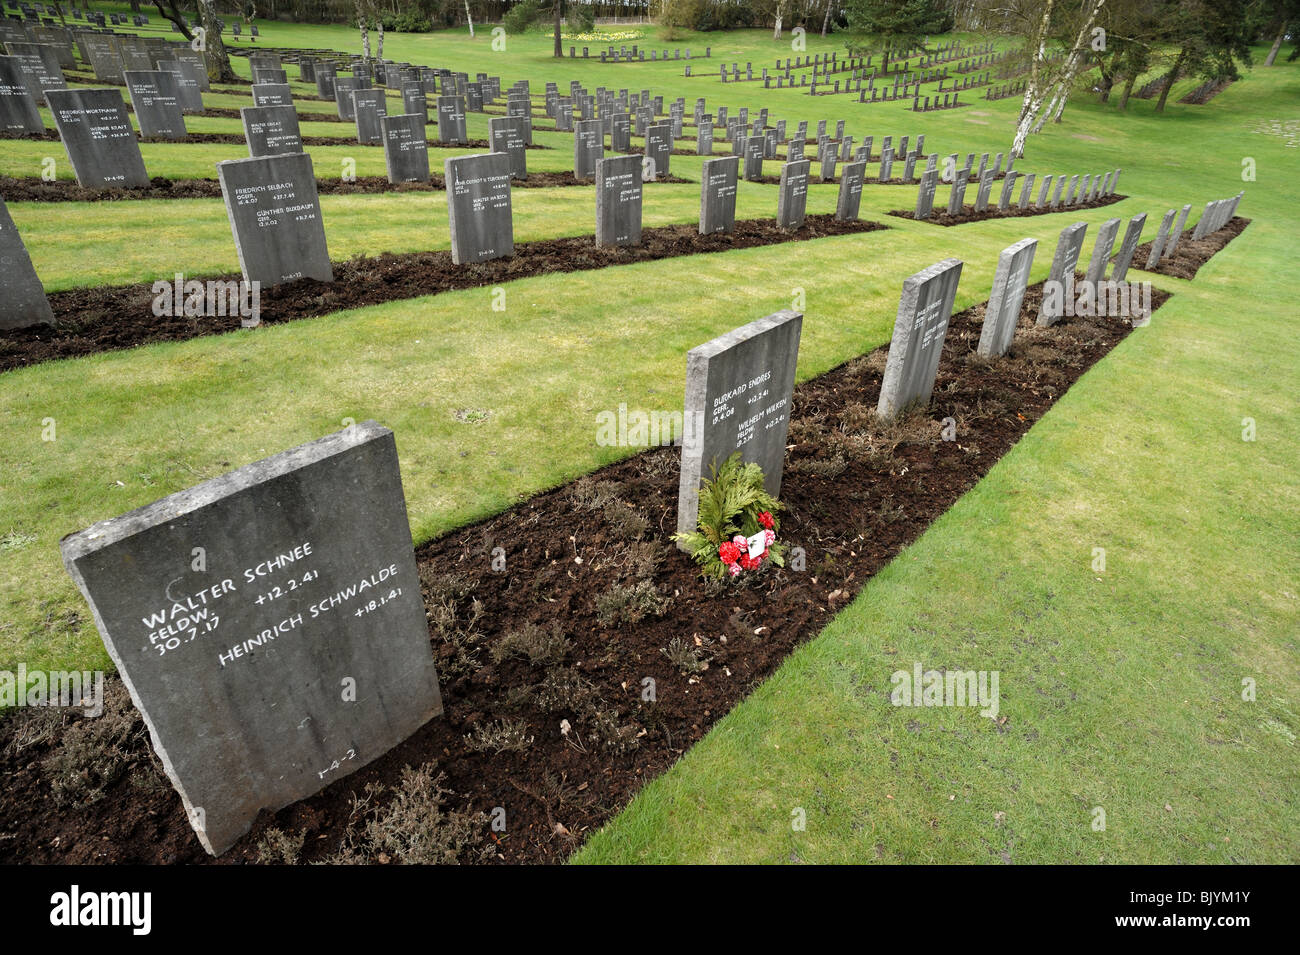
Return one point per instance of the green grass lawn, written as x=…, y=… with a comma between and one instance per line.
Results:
x=1121, y=689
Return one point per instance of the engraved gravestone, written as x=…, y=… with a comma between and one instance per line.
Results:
x=919, y=330
x=40, y=64
x=272, y=94
x=271, y=130
x=704, y=139
x=451, y=120
x=659, y=147
x=792, y=197
x=957, y=194
x=188, y=88
x=308, y=586
x=156, y=101
x=738, y=392
x=414, y=101
x=1101, y=252
x=1068, y=249
x=275, y=218
x=344, y=87
x=618, y=201
x=369, y=107
x=406, y=150
x=826, y=157
x=850, y=198
x=19, y=115
x=1162, y=236
x=753, y=148
x=718, y=195
x=588, y=147
x=1132, y=236
x=982, y=193
x=1003, y=309
x=22, y=297
x=478, y=207
x=506, y=135
x=925, y=194
x=99, y=139
x=1177, y=234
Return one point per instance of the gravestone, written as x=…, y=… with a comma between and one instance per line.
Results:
x=659, y=147
x=982, y=193
x=369, y=107
x=1003, y=309
x=925, y=194
x=156, y=100
x=1176, y=236
x=188, y=89
x=794, y=151
x=792, y=197
x=1008, y=189
x=41, y=70
x=718, y=195
x=406, y=150
x=957, y=194
x=1068, y=249
x=1132, y=236
x=754, y=148
x=1101, y=252
x=886, y=163
x=506, y=135
x=620, y=133
x=272, y=94
x=827, y=155
x=19, y=115
x=738, y=392
x=589, y=149
x=325, y=77
x=1162, y=236
x=618, y=200
x=414, y=102
x=704, y=139
x=271, y=130
x=451, y=120
x=276, y=219
x=850, y=198
x=236, y=669
x=344, y=87
x=98, y=137
x=22, y=297
x=1027, y=192
x=478, y=207
x=919, y=330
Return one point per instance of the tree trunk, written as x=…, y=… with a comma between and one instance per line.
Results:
x=365, y=38
x=214, y=51
x=1169, y=81
x=171, y=13
x=380, y=27
x=776, y=31
x=559, y=51
x=470, y=19
x=1034, y=92
x=1128, y=90
x=826, y=20
x=1277, y=45
x=1107, y=84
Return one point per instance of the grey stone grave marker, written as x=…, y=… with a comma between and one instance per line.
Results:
x=850, y=198
x=406, y=149
x=792, y=197
x=659, y=147
x=589, y=149
x=1162, y=236
x=718, y=195
x=272, y=94
x=1064, y=263
x=478, y=207
x=22, y=297
x=1101, y=253
x=1132, y=236
x=618, y=200
x=99, y=138
x=451, y=120
x=919, y=331
x=19, y=115
x=156, y=100
x=925, y=194
x=1003, y=310
x=506, y=135
x=271, y=130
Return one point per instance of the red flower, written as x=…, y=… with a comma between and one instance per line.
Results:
x=765, y=519
x=748, y=562
x=728, y=553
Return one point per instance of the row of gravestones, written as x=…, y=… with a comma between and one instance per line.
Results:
x=1081, y=191
x=308, y=573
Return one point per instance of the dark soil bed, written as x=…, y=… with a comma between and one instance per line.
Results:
x=1191, y=253
x=941, y=217
x=91, y=320
x=856, y=492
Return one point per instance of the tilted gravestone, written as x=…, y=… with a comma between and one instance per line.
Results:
x=478, y=207
x=588, y=147
x=19, y=115
x=982, y=193
x=344, y=87
x=827, y=155
x=1003, y=309
x=156, y=100
x=406, y=150
x=451, y=120
x=22, y=297
x=271, y=130
x=414, y=102
x=718, y=195
x=41, y=70
x=369, y=107
x=1162, y=236
x=276, y=219
x=506, y=135
x=957, y=195
x=618, y=200
x=1132, y=236
x=1176, y=236
x=753, y=150
x=850, y=197
x=659, y=147
x=792, y=195
x=1008, y=189
x=919, y=330
x=188, y=87
x=240, y=669
x=1101, y=252
x=925, y=194
x=1061, y=276
x=738, y=392
x=1027, y=192
x=99, y=138
x=272, y=94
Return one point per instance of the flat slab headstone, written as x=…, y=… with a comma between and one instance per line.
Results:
x=506, y=136
x=1162, y=236
x=850, y=197
x=406, y=148
x=1128, y=246
x=659, y=147
x=188, y=84
x=344, y=87
x=98, y=137
x=369, y=107
x=917, y=343
x=718, y=194
x=156, y=100
x=618, y=200
x=1101, y=252
x=239, y=669
x=478, y=207
x=272, y=94
x=792, y=194
x=738, y=392
x=1064, y=262
x=41, y=69
x=275, y=217
x=1177, y=234
x=451, y=120
x=19, y=114
x=271, y=130
x=588, y=147
x=22, y=296
x=414, y=101
x=1003, y=309
x=925, y=194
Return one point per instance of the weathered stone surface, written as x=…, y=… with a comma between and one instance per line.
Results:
x=738, y=391
x=618, y=200
x=156, y=100
x=919, y=330
x=659, y=148
x=99, y=138
x=1003, y=310
x=1162, y=236
x=299, y=652
x=506, y=136
x=369, y=107
x=478, y=207
x=19, y=115
x=1101, y=252
x=718, y=195
x=850, y=197
x=272, y=94
x=22, y=296
x=588, y=147
x=451, y=120
x=406, y=150
x=1064, y=263
x=276, y=219
x=925, y=194
x=792, y=194
x=1132, y=237
x=271, y=130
